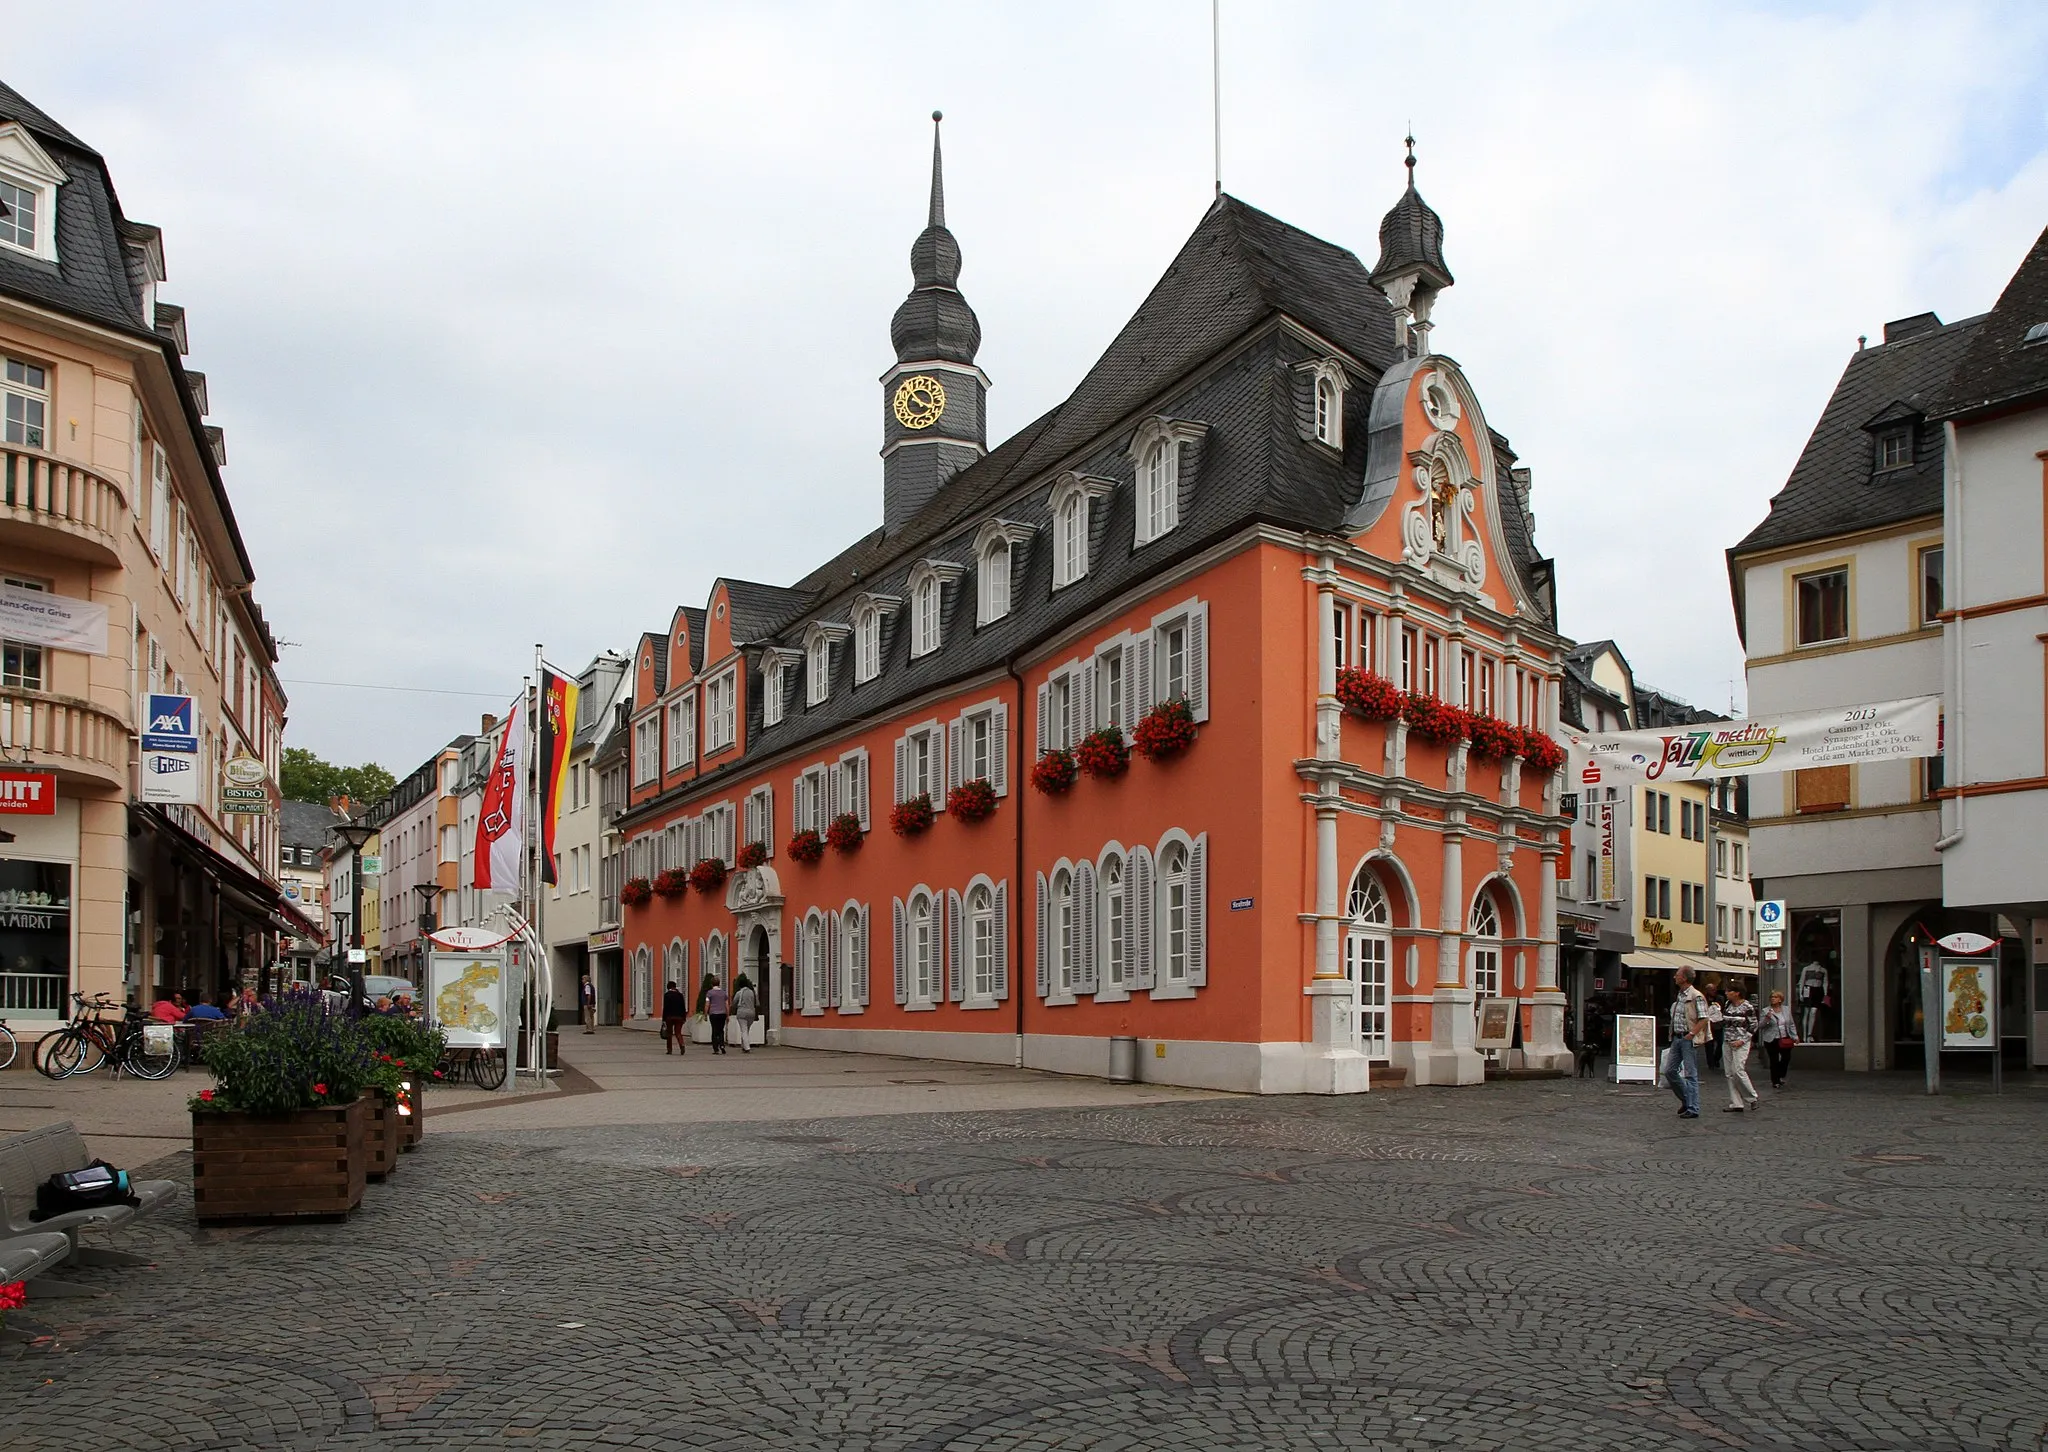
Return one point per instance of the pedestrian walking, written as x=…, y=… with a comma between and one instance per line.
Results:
x=589, y=996
x=675, y=1020
x=745, y=1008
x=1712, y=1046
x=1738, y=1027
x=1682, y=1059
x=1779, y=1038
x=716, y=1002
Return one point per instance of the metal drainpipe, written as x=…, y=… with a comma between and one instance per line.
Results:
x=1018, y=783
x=1951, y=518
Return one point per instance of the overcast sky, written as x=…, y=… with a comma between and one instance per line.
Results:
x=503, y=306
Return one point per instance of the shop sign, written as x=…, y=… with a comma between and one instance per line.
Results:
x=1610, y=887
x=42, y=617
x=171, y=724
x=373, y=865
x=599, y=942
x=28, y=794
x=170, y=778
x=245, y=800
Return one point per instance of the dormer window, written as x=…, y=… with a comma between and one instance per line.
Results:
x=1894, y=449
x=1319, y=400
x=867, y=644
x=818, y=660
x=29, y=180
x=775, y=665
x=1327, y=416
x=1156, y=450
x=995, y=556
x=927, y=604
x=18, y=225
x=1073, y=500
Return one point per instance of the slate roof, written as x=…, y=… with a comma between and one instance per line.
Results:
x=2000, y=369
x=1836, y=486
x=1206, y=346
x=693, y=616
x=304, y=824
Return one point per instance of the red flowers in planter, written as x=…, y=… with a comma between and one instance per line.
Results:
x=1167, y=730
x=635, y=890
x=911, y=817
x=708, y=875
x=845, y=834
x=972, y=801
x=751, y=856
x=1434, y=720
x=1054, y=772
x=1367, y=696
x=806, y=847
x=1103, y=753
x=1540, y=750
x=1494, y=738
x=671, y=882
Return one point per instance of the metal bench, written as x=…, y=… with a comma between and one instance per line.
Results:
x=27, y=1160
x=27, y=1256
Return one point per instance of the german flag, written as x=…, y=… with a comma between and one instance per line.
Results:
x=557, y=734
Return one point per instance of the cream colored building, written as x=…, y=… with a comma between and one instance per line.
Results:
x=114, y=509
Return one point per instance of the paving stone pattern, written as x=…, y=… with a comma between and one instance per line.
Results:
x=1530, y=1266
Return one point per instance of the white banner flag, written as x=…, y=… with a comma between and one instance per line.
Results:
x=1798, y=741
x=37, y=617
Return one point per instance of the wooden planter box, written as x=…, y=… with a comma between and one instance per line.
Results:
x=382, y=1137
x=246, y=1167
x=413, y=1127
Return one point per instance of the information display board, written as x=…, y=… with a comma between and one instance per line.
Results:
x=1969, y=1003
x=466, y=997
x=1497, y=1023
x=1635, y=1048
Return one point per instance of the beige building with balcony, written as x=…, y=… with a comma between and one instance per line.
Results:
x=122, y=572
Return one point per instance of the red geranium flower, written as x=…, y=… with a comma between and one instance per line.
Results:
x=1367, y=696
x=319, y=1088
x=207, y=1095
x=806, y=847
x=13, y=1296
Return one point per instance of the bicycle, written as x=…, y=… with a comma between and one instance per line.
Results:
x=8, y=1046
x=88, y=1042
x=484, y=1068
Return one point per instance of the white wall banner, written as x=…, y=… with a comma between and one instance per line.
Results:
x=37, y=617
x=170, y=778
x=1798, y=741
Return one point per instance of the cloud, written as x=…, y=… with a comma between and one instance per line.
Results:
x=525, y=322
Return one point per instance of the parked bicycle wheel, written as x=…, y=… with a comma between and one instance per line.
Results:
x=68, y=1051
x=145, y=1062
x=487, y=1068
x=8, y=1047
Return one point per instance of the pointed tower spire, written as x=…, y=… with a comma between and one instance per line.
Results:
x=1411, y=270
x=937, y=218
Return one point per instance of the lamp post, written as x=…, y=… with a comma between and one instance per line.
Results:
x=355, y=833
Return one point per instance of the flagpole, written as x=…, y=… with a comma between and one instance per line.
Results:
x=537, y=1031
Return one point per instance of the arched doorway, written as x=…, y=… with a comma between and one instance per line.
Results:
x=1483, y=955
x=760, y=968
x=1368, y=959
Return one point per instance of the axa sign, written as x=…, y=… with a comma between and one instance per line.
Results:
x=171, y=723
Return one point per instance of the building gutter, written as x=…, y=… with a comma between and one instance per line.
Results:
x=1019, y=776
x=1952, y=566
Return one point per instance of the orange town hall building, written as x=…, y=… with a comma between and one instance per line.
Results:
x=1056, y=756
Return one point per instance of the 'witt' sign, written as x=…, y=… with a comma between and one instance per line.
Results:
x=28, y=794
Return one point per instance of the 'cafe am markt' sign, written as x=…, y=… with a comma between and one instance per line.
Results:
x=28, y=794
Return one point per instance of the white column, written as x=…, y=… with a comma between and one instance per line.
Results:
x=1544, y=1048
x=1450, y=1057
x=1333, y=1063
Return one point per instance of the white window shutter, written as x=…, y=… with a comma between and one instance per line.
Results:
x=832, y=966
x=1084, y=707
x=902, y=766
x=832, y=790
x=1138, y=913
x=902, y=979
x=1002, y=930
x=1198, y=661
x=861, y=768
x=999, y=750
x=1044, y=705
x=1198, y=912
x=956, y=980
x=1084, y=911
x=860, y=960
x=953, y=753
x=1138, y=679
x=731, y=826
x=767, y=837
x=940, y=768
x=1044, y=965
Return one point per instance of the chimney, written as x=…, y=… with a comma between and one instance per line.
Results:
x=340, y=806
x=490, y=724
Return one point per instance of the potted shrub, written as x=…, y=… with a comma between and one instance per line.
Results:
x=806, y=847
x=1167, y=730
x=408, y=1044
x=636, y=891
x=1103, y=753
x=1055, y=772
x=909, y=818
x=845, y=834
x=751, y=856
x=972, y=801
x=1494, y=738
x=283, y=1130
x=708, y=875
x=1367, y=696
x=671, y=883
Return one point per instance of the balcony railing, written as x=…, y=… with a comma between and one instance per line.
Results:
x=64, y=734
x=42, y=492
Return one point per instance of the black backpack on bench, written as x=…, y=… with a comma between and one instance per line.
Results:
x=88, y=1189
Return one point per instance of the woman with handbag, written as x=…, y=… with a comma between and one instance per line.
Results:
x=1778, y=1038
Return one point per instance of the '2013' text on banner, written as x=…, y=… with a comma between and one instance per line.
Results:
x=1797, y=741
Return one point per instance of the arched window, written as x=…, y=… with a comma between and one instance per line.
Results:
x=924, y=950
x=1327, y=409
x=673, y=969
x=1485, y=951
x=1158, y=491
x=819, y=668
x=867, y=644
x=851, y=946
x=1368, y=956
x=924, y=616
x=1065, y=938
x=981, y=942
x=816, y=960
x=1070, y=540
x=1173, y=912
x=714, y=959
x=995, y=581
x=643, y=972
x=1115, y=909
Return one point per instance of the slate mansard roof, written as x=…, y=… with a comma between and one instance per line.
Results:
x=2001, y=369
x=1836, y=487
x=1204, y=347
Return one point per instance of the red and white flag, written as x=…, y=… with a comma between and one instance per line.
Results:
x=501, y=823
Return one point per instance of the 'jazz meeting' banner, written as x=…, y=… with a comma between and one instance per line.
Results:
x=1799, y=741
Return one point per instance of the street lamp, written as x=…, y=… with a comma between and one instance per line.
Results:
x=355, y=834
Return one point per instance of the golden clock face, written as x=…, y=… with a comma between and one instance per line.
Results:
x=920, y=399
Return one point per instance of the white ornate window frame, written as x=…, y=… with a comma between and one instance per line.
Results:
x=870, y=613
x=927, y=637
x=971, y=997
x=25, y=165
x=819, y=638
x=1326, y=378
x=1171, y=435
x=775, y=661
x=1070, y=556
x=995, y=585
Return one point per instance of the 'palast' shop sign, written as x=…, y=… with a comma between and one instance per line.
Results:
x=1798, y=741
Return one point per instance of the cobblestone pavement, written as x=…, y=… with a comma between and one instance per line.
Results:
x=1554, y=1265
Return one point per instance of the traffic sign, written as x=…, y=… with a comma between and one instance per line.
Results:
x=1771, y=913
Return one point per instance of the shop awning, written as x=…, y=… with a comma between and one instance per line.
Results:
x=236, y=883
x=1698, y=962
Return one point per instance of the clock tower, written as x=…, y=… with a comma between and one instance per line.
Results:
x=934, y=418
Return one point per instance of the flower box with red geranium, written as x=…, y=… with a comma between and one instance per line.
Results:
x=635, y=891
x=708, y=875
x=1540, y=750
x=671, y=882
x=1103, y=753
x=1166, y=731
x=1367, y=696
x=845, y=834
x=751, y=856
x=13, y=1296
x=1434, y=720
x=972, y=801
x=1494, y=738
x=1054, y=772
x=806, y=847
x=913, y=816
